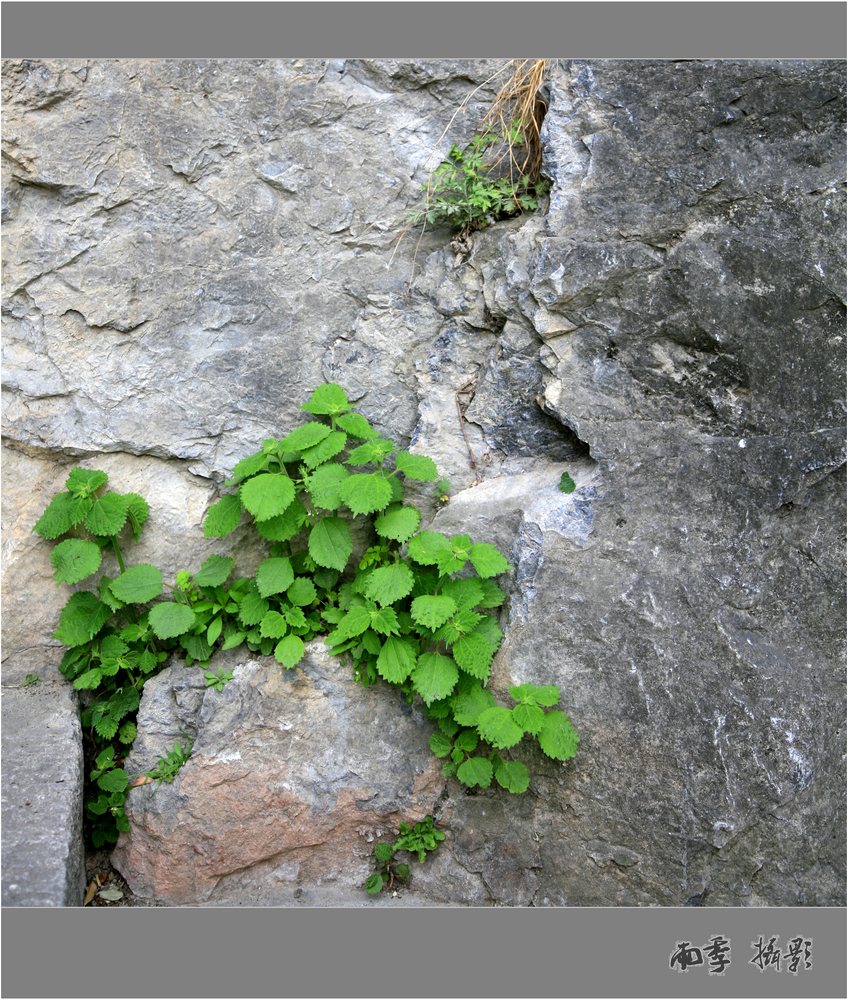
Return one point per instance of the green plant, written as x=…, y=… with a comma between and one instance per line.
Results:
x=167, y=767
x=421, y=839
x=567, y=484
x=218, y=680
x=417, y=609
x=105, y=803
x=468, y=192
x=31, y=680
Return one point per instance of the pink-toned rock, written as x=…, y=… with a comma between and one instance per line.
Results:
x=292, y=775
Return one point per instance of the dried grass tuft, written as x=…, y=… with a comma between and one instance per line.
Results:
x=519, y=108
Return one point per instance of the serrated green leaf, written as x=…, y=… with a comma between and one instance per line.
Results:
x=304, y=437
x=356, y=425
x=476, y=771
x=115, y=780
x=252, y=609
x=389, y=583
x=497, y=726
x=233, y=640
x=137, y=513
x=273, y=625
x=197, y=647
x=138, y=585
x=529, y=718
x=431, y=611
x=284, y=526
x=366, y=493
x=147, y=661
x=466, y=593
x=490, y=631
x=249, y=466
x=112, y=646
x=396, y=660
x=169, y=620
x=324, y=485
x=385, y=621
x=546, y=695
x=127, y=733
x=398, y=523
x=214, y=571
x=461, y=624
x=487, y=560
x=106, y=727
x=223, y=517
x=332, y=444
x=108, y=514
x=267, y=495
x=427, y=546
x=295, y=617
x=470, y=705
x=567, y=484
x=383, y=852
x=513, y=776
x=74, y=560
x=434, y=677
x=274, y=576
x=89, y=680
x=440, y=745
x=289, y=651
x=374, y=450
x=374, y=884
x=85, y=482
x=355, y=622
x=474, y=655
x=467, y=740
x=493, y=596
x=63, y=512
x=302, y=592
x=330, y=543
x=417, y=467
x=558, y=738
x=448, y=727
x=327, y=400
x=81, y=619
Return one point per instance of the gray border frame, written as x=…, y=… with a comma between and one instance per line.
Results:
x=380, y=952
x=491, y=28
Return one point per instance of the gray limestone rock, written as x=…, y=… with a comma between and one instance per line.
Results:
x=42, y=796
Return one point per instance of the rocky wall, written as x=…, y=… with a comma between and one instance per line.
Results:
x=190, y=246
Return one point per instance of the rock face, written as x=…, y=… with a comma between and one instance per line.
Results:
x=292, y=774
x=192, y=245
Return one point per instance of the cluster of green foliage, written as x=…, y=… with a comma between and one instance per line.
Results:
x=416, y=611
x=420, y=840
x=567, y=484
x=468, y=190
x=168, y=767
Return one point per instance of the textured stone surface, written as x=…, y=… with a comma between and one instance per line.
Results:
x=290, y=772
x=42, y=797
x=191, y=245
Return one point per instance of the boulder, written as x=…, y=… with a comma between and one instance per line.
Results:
x=292, y=776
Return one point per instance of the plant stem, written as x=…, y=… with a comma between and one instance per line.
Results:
x=118, y=554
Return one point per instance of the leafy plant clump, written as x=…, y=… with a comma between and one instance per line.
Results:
x=167, y=767
x=498, y=173
x=469, y=190
x=417, y=610
x=421, y=839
